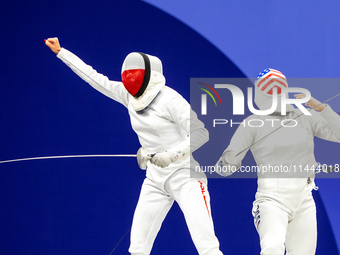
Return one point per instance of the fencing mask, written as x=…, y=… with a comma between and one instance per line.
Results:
x=265, y=82
x=142, y=76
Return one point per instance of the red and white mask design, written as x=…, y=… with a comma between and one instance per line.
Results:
x=136, y=72
x=269, y=79
x=265, y=82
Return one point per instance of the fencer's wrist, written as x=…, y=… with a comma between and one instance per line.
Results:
x=181, y=150
x=225, y=158
x=57, y=50
x=222, y=169
x=163, y=159
x=321, y=107
x=229, y=159
x=172, y=156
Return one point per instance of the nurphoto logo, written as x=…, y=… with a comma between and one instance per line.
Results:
x=238, y=99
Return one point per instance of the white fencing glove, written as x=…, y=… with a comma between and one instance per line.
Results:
x=227, y=164
x=179, y=152
x=163, y=159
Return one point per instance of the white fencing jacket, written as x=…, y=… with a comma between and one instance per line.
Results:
x=290, y=148
x=166, y=122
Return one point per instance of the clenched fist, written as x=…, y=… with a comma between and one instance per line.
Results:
x=312, y=103
x=163, y=159
x=53, y=44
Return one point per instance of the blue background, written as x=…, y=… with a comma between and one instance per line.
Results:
x=84, y=206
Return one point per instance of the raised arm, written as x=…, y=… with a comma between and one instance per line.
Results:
x=112, y=89
x=325, y=122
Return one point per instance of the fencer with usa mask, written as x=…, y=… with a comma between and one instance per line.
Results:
x=164, y=122
x=284, y=209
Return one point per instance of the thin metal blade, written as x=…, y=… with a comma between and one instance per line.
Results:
x=69, y=156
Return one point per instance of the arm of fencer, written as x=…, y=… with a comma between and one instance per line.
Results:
x=199, y=135
x=181, y=150
x=228, y=164
x=180, y=112
x=230, y=161
x=178, y=152
x=328, y=126
x=112, y=89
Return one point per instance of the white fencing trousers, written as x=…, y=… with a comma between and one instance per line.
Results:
x=278, y=229
x=153, y=205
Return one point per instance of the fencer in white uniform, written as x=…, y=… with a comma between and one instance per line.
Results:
x=170, y=130
x=284, y=209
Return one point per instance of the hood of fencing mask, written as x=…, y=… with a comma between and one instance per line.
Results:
x=265, y=82
x=142, y=76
